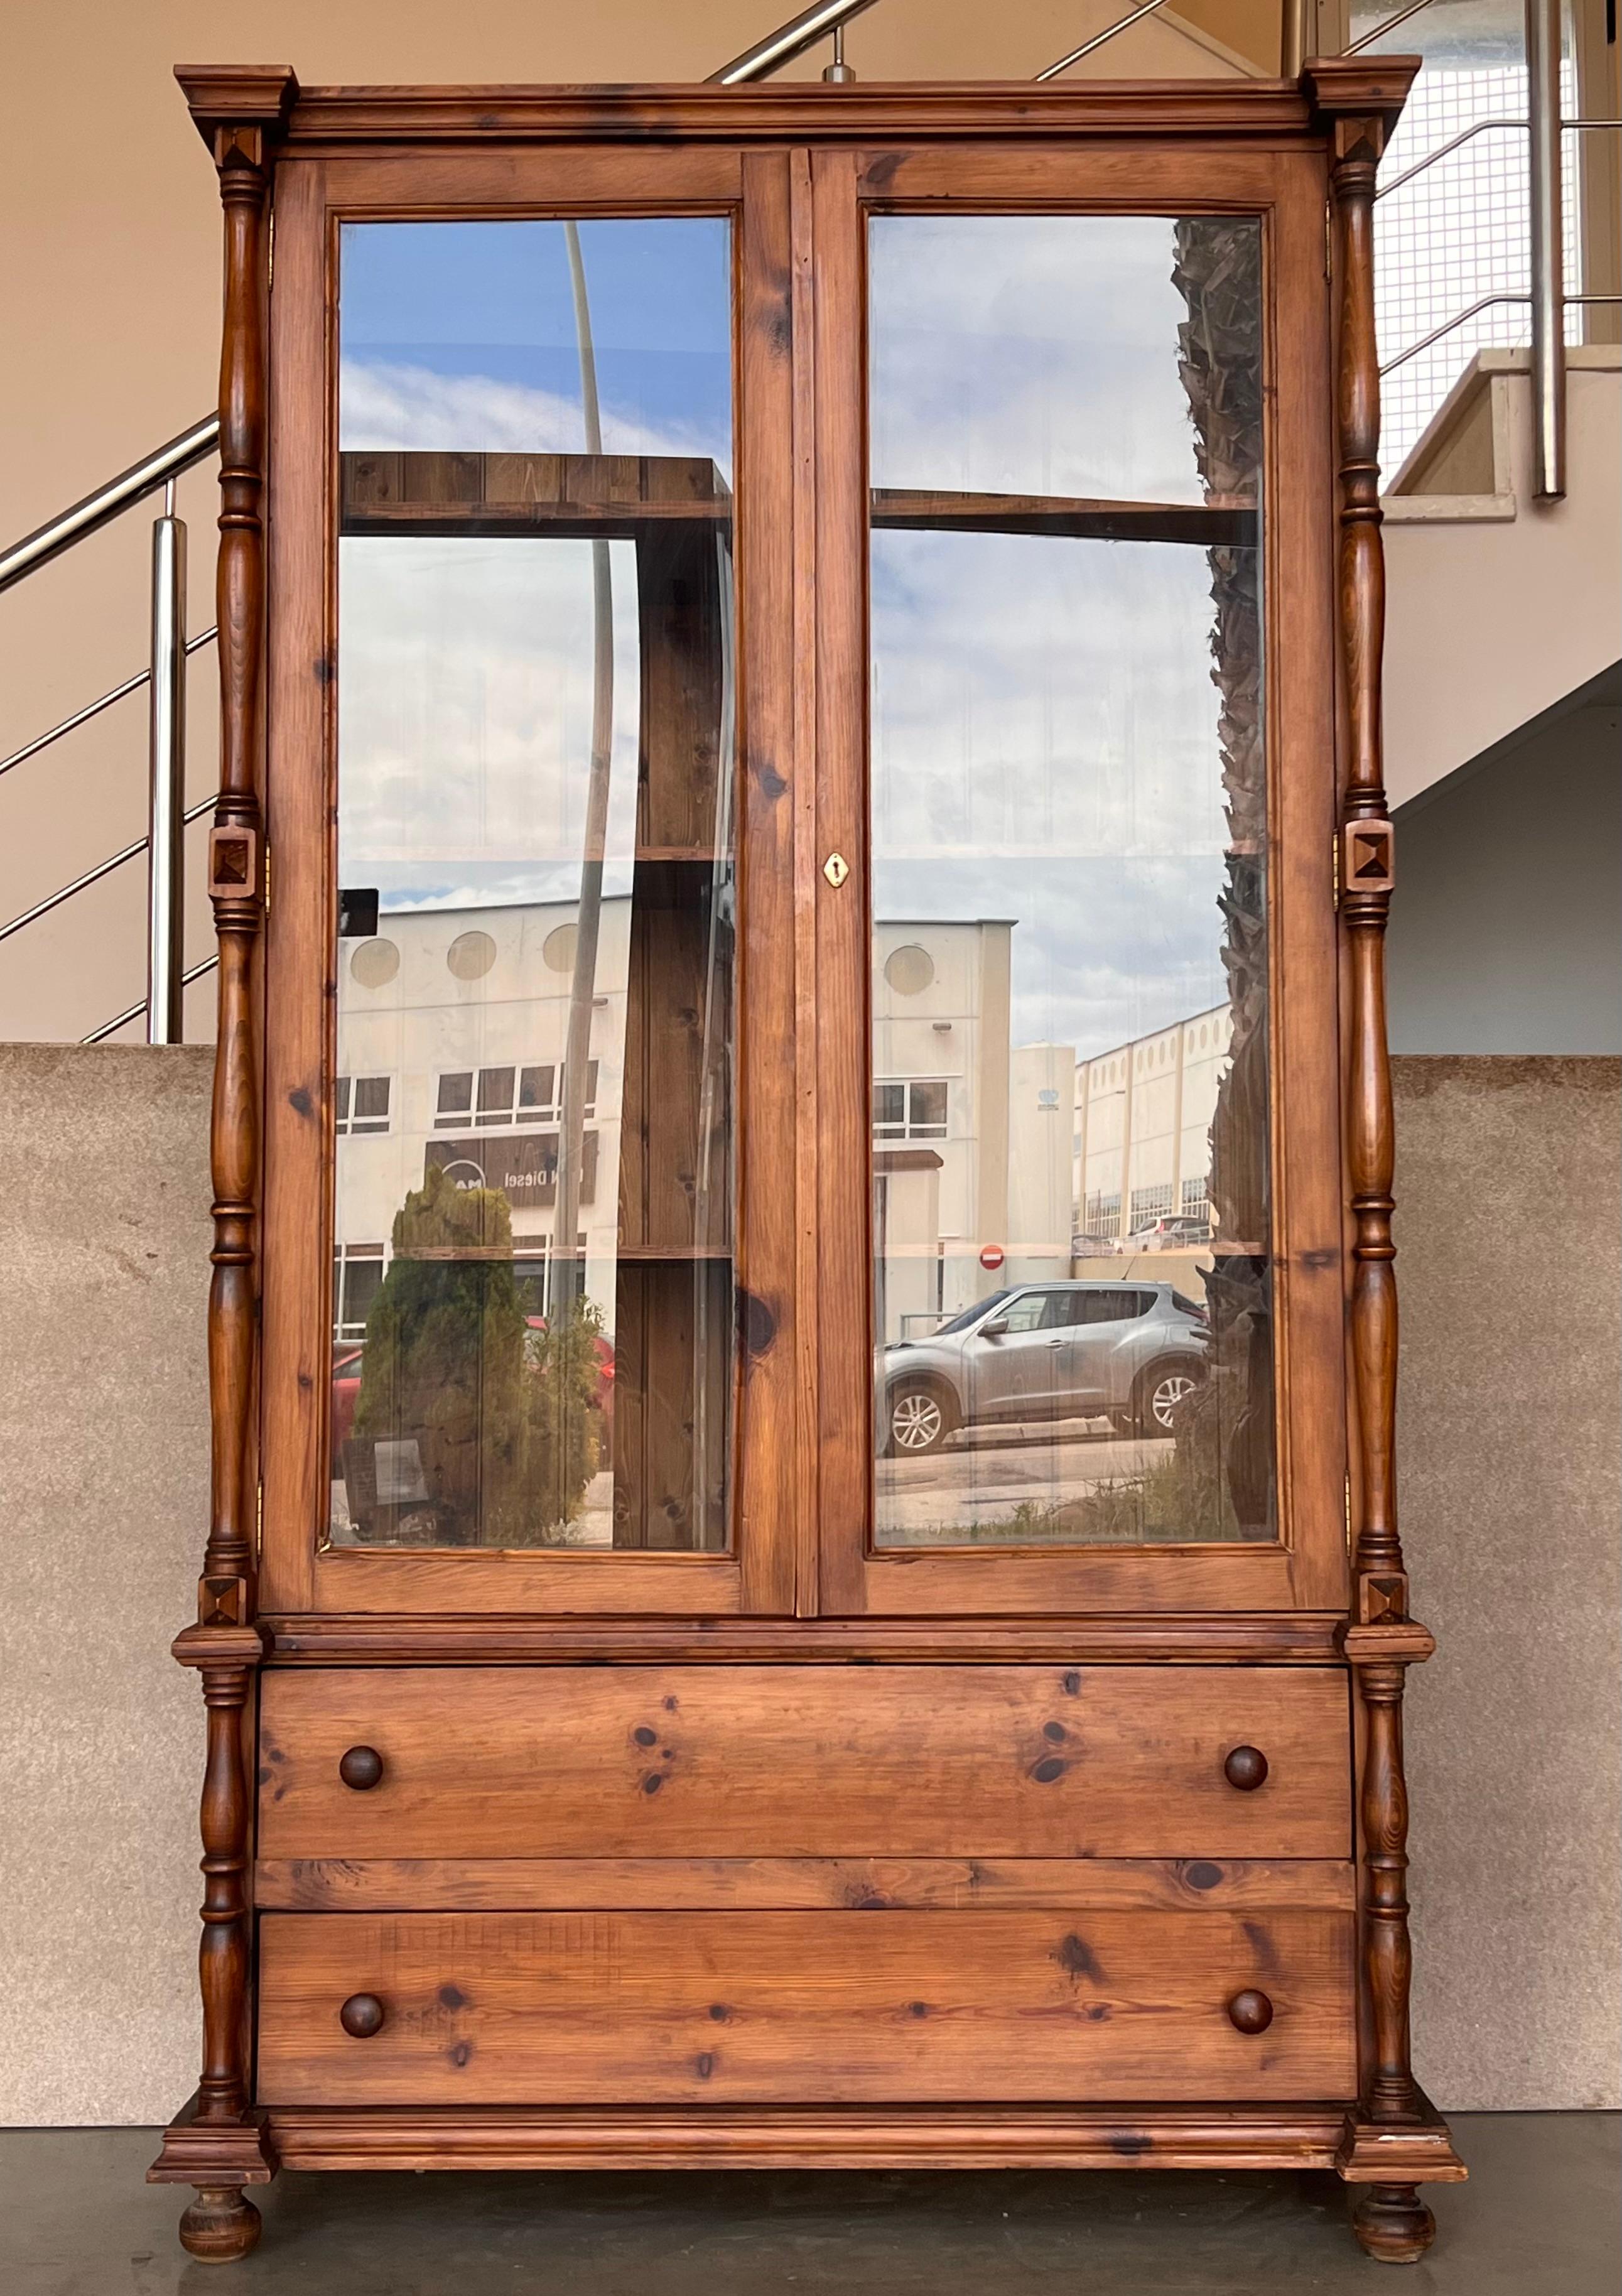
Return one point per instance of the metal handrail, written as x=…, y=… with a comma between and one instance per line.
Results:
x=93, y=708
x=164, y=678
x=122, y=1020
x=1121, y=24
x=91, y=876
x=143, y=478
x=1481, y=127
x=1356, y=47
x=1459, y=318
x=787, y=41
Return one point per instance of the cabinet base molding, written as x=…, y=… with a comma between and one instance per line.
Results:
x=798, y=2136
x=215, y=2152
x=1400, y=2153
x=808, y=2137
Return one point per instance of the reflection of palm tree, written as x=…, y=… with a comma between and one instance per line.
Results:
x=1217, y=269
x=562, y=1289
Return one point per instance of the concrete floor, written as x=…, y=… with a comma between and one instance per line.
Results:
x=1539, y=2219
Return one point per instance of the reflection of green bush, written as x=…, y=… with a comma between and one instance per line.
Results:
x=503, y=1418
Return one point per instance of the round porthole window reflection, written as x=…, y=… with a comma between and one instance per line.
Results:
x=909, y=971
x=374, y=964
x=470, y=955
x=558, y=949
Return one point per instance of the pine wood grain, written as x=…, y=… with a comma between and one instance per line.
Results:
x=757, y=1761
x=333, y=1885
x=540, y=2008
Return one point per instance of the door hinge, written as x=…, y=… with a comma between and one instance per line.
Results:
x=1334, y=865
x=1329, y=239
x=268, y=876
x=259, y=1522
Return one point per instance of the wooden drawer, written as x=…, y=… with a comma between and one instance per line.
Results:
x=843, y=2007
x=786, y=1761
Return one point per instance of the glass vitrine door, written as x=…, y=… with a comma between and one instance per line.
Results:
x=549, y=487
x=1070, y=783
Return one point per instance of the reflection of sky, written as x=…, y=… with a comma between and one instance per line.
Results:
x=461, y=336
x=464, y=718
x=1029, y=355
x=1044, y=748
x=1044, y=724
x=465, y=693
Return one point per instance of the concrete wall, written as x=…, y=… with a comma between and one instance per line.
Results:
x=1508, y=1184
x=1508, y=916
x=103, y=1510
x=1507, y=1189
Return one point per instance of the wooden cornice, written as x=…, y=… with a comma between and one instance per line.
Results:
x=237, y=95
x=1359, y=88
x=336, y=119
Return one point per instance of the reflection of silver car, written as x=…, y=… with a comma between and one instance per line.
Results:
x=1126, y=1352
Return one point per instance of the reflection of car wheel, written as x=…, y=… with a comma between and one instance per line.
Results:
x=1160, y=1391
x=919, y=1420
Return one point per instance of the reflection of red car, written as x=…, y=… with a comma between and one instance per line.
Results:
x=345, y=1388
x=604, y=1397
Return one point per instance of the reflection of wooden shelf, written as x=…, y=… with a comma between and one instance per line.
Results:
x=660, y=1255
x=1224, y=519
x=564, y=497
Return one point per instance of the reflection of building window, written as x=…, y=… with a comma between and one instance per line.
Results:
x=357, y=1277
x=913, y=1108
x=1196, y=1198
x=362, y=1103
x=1103, y=1213
x=1151, y=1203
x=485, y=1097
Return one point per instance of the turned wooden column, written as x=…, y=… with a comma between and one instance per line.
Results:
x=218, y=2146
x=1361, y=98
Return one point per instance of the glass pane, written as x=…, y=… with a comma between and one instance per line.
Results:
x=535, y=961
x=1069, y=876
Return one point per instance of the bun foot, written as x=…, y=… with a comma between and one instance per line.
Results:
x=1392, y=2224
x=219, y=2226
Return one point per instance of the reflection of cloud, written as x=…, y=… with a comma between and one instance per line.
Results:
x=1028, y=354
x=388, y=407
x=1046, y=749
x=464, y=716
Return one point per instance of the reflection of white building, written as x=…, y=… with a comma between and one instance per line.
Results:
x=451, y=1034
x=971, y=1138
x=1141, y=1143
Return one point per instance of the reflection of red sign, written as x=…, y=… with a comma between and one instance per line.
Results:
x=991, y=1256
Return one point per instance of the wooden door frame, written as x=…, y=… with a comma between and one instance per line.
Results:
x=300, y=1573
x=1307, y=1569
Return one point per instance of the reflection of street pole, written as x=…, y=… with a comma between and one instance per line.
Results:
x=571, y=1132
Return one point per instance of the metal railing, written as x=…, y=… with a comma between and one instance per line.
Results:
x=1547, y=294
x=164, y=676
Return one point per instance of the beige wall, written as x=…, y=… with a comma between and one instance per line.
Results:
x=1508, y=1177
x=109, y=285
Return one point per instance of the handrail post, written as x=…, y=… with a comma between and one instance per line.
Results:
x=166, y=740
x=1548, y=251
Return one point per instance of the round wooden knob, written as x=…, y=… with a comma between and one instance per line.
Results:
x=1246, y=1768
x=362, y=2015
x=363, y=1765
x=1251, y=2012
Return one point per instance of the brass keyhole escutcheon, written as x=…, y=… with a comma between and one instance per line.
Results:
x=836, y=869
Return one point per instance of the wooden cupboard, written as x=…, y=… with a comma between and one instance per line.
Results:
x=802, y=1563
